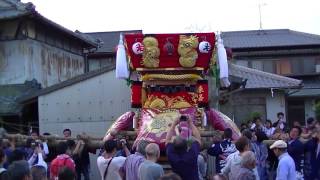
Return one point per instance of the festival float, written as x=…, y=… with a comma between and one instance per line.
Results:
x=168, y=75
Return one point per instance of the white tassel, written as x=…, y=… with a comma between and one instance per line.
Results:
x=134, y=121
x=122, y=71
x=223, y=63
x=204, y=119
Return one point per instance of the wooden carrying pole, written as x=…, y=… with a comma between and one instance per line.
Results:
x=92, y=142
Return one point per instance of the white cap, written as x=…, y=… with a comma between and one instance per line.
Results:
x=279, y=144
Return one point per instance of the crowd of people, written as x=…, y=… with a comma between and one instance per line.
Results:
x=270, y=151
x=36, y=161
x=264, y=151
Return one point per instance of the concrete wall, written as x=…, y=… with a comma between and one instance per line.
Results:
x=89, y=106
x=98, y=63
x=22, y=60
x=241, y=105
x=309, y=108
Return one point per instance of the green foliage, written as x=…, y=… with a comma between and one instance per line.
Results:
x=255, y=115
x=251, y=116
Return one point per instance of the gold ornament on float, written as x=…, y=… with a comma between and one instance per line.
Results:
x=158, y=103
x=187, y=50
x=151, y=52
x=180, y=77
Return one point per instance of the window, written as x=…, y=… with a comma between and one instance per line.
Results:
x=268, y=66
x=317, y=64
x=94, y=64
x=309, y=65
x=242, y=63
x=283, y=66
x=296, y=66
x=303, y=65
x=257, y=65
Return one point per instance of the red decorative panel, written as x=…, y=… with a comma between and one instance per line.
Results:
x=136, y=94
x=203, y=93
x=168, y=45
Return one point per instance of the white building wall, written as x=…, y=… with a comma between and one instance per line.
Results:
x=275, y=104
x=89, y=106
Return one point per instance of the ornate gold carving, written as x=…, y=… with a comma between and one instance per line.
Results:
x=187, y=50
x=151, y=52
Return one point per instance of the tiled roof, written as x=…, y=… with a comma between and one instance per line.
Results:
x=259, y=80
x=66, y=83
x=305, y=93
x=268, y=38
x=10, y=93
x=311, y=82
x=109, y=39
x=13, y=8
x=10, y=9
x=311, y=87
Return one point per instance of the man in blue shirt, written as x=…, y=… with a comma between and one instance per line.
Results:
x=312, y=162
x=182, y=159
x=295, y=147
x=286, y=169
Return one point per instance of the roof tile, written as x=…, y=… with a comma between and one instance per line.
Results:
x=258, y=79
x=109, y=39
x=268, y=38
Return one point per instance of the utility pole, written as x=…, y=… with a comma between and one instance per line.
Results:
x=260, y=14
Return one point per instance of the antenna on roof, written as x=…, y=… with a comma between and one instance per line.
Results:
x=260, y=14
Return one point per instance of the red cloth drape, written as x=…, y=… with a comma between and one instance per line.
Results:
x=136, y=94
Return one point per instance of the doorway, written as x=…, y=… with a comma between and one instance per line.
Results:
x=296, y=111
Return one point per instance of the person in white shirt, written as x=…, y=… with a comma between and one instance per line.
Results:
x=37, y=158
x=234, y=160
x=268, y=129
x=109, y=165
x=286, y=168
x=281, y=122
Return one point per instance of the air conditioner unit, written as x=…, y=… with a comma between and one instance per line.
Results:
x=317, y=68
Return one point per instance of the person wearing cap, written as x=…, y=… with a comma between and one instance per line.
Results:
x=286, y=168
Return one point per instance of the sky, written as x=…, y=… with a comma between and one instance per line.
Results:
x=174, y=16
